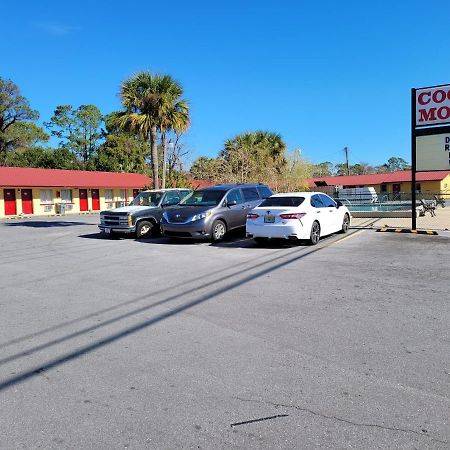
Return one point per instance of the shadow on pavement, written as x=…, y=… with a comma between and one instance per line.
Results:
x=202, y=277
x=233, y=280
x=101, y=236
x=46, y=224
x=235, y=239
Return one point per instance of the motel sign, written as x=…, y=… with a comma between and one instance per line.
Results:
x=433, y=106
x=431, y=130
x=430, y=134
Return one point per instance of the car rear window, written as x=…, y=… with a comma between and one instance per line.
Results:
x=283, y=201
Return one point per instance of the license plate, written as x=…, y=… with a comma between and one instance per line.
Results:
x=269, y=219
x=107, y=230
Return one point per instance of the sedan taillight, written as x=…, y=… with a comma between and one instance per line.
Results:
x=292, y=216
x=252, y=216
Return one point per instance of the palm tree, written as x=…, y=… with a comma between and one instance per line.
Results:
x=147, y=101
x=254, y=156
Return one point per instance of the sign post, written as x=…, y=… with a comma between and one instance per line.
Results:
x=413, y=160
x=430, y=139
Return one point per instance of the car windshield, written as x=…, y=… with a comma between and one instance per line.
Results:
x=147, y=199
x=283, y=201
x=204, y=198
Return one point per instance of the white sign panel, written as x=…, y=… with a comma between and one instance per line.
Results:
x=433, y=105
x=433, y=152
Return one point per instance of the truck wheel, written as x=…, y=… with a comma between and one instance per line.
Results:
x=218, y=230
x=143, y=229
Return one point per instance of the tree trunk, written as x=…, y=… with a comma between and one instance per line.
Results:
x=154, y=147
x=164, y=160
x=3, y=153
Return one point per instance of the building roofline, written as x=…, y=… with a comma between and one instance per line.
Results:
x=53, y=178
x=402, y=176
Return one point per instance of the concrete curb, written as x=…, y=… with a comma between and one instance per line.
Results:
x=407, y=230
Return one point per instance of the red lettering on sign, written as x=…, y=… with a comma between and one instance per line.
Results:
x=421, y=98
x=443, y=113
x=439, y=96
x=427, y=114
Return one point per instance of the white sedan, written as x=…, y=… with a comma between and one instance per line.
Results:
x=297, y=216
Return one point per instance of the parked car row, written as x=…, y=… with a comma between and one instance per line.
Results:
x=212, y=212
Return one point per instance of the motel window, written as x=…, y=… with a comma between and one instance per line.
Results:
x=383, y=188
x=66, y=196
x=109, y=196
x=418, y=187
x=122, y=195
x=46, y=196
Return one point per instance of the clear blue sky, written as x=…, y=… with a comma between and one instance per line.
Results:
x=323, y=74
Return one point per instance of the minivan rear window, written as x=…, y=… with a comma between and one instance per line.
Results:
x=283, y=201
x=264, y=191
x=250, y=194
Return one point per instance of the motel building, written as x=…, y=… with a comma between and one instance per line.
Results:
x=392, y=184
x=27, y=191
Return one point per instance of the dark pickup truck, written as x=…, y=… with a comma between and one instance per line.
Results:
x=142, y=216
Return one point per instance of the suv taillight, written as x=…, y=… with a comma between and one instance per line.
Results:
x=252, y=216
x=292, y=216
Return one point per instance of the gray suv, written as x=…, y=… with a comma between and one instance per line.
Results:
x=142, y=216
x=211, y=212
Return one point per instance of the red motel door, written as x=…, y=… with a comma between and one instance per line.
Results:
x=10, y=202
x=83, y=200
x=27, y=201
x=95, y=199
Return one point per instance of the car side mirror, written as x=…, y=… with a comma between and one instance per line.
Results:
x=339, y=204
x=232, y=203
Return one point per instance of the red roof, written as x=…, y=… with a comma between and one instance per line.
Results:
x=199, y=184
x=379, y=178
x=27, y=177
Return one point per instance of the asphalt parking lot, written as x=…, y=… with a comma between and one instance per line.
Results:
x=118, y=343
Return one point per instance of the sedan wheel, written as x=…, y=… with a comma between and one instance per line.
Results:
x=315, y=233
x=345, y=224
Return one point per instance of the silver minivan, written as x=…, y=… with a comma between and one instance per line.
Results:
x=211, y=212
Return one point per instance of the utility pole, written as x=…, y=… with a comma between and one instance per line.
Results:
x=346, y=160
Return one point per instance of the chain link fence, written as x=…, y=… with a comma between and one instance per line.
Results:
x=394, y=209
